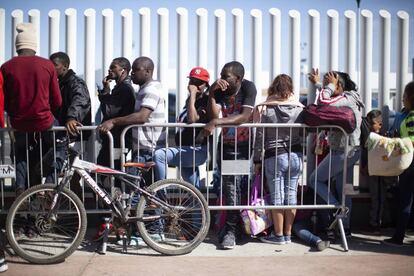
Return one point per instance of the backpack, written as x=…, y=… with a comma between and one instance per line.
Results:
x=343, y=116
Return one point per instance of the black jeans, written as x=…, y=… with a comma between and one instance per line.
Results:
x=29, y=150
x=405, y=199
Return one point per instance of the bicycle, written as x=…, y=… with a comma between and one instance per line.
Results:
x=47, y=222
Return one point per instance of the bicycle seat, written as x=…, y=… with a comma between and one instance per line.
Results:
x=143, y=166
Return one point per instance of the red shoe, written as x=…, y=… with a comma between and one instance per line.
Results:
x=101, y=231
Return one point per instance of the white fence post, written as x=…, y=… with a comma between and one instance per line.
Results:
x=202, y=37
x=220, y=45
x=182, y=57
x=257, y=52
x=90, y=48
x=313, y=62
x=126, y=16
x=107, y=40
x=275, y=31
x=366, y=58
x=350, y=44
x=384, y=59
x=163, y=43
x=17, y=18
x=71, y=37
x=2, y=36
x=34, y=18
x=145, y=32
x=238, y=35
x=333, y=37
x=402, y=55
x=314, y=49
x=294, y=46
x=54, y=25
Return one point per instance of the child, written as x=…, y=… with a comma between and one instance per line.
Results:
x=375, y=183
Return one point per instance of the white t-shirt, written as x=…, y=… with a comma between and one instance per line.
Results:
x=149, y=96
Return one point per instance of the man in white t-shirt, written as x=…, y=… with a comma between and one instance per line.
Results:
x=149, y=108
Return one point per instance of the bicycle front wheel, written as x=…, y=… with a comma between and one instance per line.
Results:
x=40, y=237
x=179, y=226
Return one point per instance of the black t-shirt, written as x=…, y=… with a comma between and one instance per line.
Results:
x=189, y=133
x=233, y=105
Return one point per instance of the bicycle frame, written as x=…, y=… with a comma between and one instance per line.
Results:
x=83, y=168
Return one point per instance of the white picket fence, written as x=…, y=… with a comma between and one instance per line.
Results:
x=206, y=31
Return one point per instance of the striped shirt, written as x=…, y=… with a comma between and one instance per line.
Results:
x=148, y=138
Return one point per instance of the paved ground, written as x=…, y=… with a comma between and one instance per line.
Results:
x=367, y=256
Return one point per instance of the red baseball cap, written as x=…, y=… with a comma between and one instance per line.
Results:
x=200, y=73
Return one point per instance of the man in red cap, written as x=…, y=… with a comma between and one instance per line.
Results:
x=187, y=155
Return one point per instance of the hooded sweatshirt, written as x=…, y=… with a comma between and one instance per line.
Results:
x=348, y=98
x=278, y=140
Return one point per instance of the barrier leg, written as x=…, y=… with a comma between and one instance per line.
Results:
x=342, y=232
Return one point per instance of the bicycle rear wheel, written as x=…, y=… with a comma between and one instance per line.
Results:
x=178, y=229
x=39, y=238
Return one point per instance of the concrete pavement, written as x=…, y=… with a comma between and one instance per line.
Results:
x=367, y=256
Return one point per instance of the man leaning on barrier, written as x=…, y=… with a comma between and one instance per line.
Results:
x=32, y=97
x=234, y=97
x=74, y=112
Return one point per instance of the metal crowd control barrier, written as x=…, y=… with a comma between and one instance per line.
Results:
x=40, y=154
x=235, y=166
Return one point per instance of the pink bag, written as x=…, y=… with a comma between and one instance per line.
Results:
x=257, y=220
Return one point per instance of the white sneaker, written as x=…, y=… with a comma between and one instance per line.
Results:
x=3, y=265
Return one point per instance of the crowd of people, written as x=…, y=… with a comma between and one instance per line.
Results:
x=41, y=93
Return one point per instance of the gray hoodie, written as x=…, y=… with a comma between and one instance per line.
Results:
x=348, y=98
x=277, y=114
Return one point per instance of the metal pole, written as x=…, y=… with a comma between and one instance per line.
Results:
x=145, y=35
x=17, y=18
x=333, y=38
x=34, y=18
x=366, y=62
x=108, y=39
x=163, y=43
x=54, y=20
x=294, y=46
x=402, y=55
x=238, y=38
x=182, y=57
x=275, y=32
x=126, y=16
x=202, y=37
x=71, y=35
x=384, y=59
x=90, y=47
x=257, y=51
x=220, y=45
x=350, y=46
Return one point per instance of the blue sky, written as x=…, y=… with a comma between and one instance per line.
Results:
x=393, y=6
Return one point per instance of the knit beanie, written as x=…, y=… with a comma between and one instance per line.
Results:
x=26, y=37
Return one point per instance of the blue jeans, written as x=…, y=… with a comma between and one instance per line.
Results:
x=187, y=158
x=337, y=163
x=301, y=229
x=282, y=176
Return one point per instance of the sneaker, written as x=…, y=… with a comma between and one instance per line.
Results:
x=274, y=239
x=287, y=239
x=101, y=231
x=322, y=245
x=3, y=265
x=229, y=241
x=393, y=242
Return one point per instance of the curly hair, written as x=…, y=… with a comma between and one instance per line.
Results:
x=282, y=87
